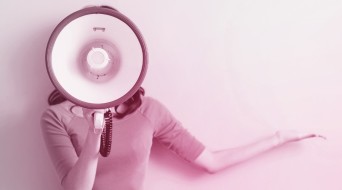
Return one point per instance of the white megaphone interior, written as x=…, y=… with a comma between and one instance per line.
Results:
x=68, y=47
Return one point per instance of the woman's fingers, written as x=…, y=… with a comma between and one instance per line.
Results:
x=312, y=135
x=292, y=136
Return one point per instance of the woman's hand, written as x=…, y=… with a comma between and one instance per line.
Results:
x=288, y=136
x=82, y=174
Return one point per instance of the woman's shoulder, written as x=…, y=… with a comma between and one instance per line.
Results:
x=153, y=108
x=59, y=111
x=150, y=103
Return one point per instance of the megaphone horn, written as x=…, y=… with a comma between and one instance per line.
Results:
x=96, y=57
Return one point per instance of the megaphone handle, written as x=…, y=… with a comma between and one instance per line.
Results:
x=98, y=122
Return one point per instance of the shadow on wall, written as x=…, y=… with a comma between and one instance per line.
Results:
x=24, y=161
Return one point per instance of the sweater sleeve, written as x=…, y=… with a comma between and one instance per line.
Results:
x=171, y=133
x=58, y=142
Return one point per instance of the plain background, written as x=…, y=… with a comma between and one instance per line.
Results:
x=232, y=71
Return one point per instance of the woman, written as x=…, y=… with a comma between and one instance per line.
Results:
x=73, y=144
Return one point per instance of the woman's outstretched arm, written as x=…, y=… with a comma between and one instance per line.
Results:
x=214, y=161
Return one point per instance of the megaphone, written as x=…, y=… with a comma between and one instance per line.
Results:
x=96, y=57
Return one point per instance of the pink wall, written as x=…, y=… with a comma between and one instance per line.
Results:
x=231, y=71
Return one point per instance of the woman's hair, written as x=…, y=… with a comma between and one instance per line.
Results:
x=55, y=98
x=131, y=104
